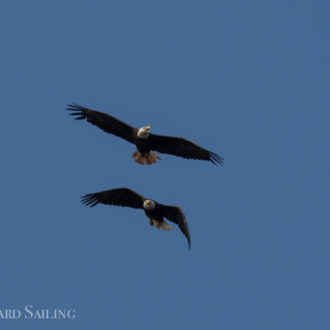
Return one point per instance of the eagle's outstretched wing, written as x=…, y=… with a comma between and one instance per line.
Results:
x=104, y=121
x=175, y=214
x=182, y=148
x=118, y=197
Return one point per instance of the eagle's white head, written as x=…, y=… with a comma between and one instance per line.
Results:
x=143, y=132
x=148, y=204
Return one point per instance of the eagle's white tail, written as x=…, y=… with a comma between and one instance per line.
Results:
x=160, y=224
x=145, y=158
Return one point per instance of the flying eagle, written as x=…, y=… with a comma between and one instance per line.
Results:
x=145, y=141
x=154, y=211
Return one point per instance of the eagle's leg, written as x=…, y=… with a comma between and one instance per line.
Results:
x=152, y=157
x=145, y=158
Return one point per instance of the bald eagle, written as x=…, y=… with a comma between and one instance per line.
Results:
x=154, y=211
x=145, y=141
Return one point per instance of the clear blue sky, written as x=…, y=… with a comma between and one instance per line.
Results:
x=248, y=80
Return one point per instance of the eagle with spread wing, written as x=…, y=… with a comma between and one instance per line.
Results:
x=146, y=143
x=154, y=211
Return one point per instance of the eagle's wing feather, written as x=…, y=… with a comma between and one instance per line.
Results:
x=104, y=121
x=181, y=147
x=118, y=197
x=175, y=214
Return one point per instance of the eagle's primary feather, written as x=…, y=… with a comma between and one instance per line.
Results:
x=104, y=121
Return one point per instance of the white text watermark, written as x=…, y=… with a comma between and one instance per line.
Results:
x=29, y=312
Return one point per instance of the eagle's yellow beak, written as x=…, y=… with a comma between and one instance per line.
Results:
x=147, y=128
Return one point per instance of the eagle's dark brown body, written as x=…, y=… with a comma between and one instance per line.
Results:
x=156, y=214
x=142, y=145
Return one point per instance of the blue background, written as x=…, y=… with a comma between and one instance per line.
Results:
x=248, y=80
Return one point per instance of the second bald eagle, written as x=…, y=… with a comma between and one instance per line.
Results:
x=145, y=141
x=154, y=211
